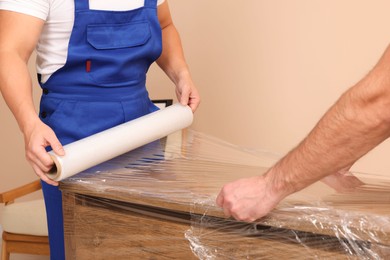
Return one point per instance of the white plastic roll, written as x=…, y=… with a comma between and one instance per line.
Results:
x=103, y=146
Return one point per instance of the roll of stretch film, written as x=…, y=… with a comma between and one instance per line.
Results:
x=103, y=146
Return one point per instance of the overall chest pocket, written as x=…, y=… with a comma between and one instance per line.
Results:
x=119, y=53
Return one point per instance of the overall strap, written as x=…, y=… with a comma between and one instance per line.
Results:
x=150, y=3
x=81, y=5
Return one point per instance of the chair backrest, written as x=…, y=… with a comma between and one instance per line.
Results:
x=162, y=103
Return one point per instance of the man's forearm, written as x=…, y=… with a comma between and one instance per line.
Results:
x=172, y=60
x=358, y=122
x=16, y=88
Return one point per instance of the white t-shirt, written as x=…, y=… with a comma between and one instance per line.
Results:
x=52, y=47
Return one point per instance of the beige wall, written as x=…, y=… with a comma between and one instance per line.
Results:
x=267, y=70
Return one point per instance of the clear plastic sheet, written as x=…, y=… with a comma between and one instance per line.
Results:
x=158, y=202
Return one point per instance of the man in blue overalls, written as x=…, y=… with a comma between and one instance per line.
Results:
x=100, y=84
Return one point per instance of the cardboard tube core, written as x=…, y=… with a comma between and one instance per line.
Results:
x=55, y=170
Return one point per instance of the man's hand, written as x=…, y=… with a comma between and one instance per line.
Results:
x=248, y=199
x=342, y=181
x=187, y=94
x=37, y=138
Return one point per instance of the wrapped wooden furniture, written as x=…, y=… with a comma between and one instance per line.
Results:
x=158, y=202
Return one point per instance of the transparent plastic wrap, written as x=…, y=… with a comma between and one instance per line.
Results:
x=158, y=202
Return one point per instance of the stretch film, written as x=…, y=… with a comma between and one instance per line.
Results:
x=158, y=202
x=103, y=146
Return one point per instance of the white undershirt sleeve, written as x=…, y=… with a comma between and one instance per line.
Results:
x=36, y=8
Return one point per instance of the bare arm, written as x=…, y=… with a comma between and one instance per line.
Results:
x=15, y=50
x=19, y=34
x=172, y=60
x=359, y=121
x=354, y=125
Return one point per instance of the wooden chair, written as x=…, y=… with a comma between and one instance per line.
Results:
x=33, y=241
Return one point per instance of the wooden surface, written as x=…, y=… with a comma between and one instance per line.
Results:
x=157, y=198
x=102, y=229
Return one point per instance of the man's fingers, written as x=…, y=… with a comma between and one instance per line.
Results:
x=194, y=103
x=219, y=200
x=185, y=98
x=41, y=159
x=43, y=176
x=56, y=145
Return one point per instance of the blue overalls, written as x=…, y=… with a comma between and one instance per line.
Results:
x=101, y=85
